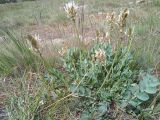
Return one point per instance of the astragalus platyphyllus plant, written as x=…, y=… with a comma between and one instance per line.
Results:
x=104, y=78
x=99, y=76
x=71, y=9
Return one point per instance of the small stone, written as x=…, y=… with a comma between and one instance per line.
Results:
x=1, y=39
x=140, y=1
x=3, y=114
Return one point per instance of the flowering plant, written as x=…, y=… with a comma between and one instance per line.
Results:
x=71, y=10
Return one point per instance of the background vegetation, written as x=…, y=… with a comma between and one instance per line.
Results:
x=93, y=68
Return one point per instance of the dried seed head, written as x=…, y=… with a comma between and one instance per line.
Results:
x=37, y=37
x=33, y=42
x=98, y=33
x=107, y=36
x=125, y=13
x=71, y=10
x=62, y=51
x=100, y=55
x=130, y=32
x=123, y=17
x=110, y=17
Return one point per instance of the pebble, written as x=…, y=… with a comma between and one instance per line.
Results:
x=3, y=115
x=140, y=1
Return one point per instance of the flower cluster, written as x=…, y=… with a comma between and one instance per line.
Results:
x=71, y=10
x=122, y=18
x=100, y=55
x=63, y=50
x=119, y=20
x=110, y=17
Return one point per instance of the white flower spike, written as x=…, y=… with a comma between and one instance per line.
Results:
x=71, y=9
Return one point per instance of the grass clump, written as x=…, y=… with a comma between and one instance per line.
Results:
x=17, y=55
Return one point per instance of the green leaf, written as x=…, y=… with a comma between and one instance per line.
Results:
x=142, y=85
x=147, y=110
x=73, y=88
x=149, y=84
x=134, y=89
x=86, y=116
x=135, y=102
x=151, y=90
x=142, y=96
x=152, y=81
x=103, y=107
x=81, y=90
